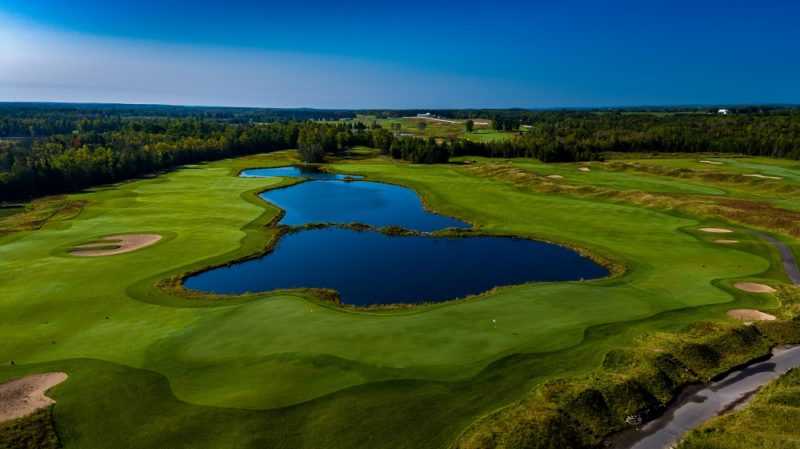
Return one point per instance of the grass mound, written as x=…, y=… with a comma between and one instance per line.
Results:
x=632, y=386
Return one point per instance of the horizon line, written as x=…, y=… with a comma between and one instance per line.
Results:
x=471, y=108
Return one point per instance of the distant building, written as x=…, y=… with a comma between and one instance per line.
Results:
x=425, y=115
x=723, y=112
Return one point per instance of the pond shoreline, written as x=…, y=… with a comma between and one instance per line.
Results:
x=445, y=230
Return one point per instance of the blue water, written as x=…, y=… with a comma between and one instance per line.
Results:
x=302, y=171
x=368, y=267
x=371, y=203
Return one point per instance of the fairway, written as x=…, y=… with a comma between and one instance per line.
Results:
x=287, y=370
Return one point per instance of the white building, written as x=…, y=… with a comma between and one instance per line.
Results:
x=723, y=112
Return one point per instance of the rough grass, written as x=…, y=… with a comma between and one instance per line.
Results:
x=632, y=384
x=34, y=431
x=266, y=370
x=770, y=421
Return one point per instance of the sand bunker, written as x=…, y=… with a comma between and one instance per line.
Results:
x=585, y=169
x=749, y=315
x=753, y=287
x=23, y=396
x=122, y=243
x=555, y=176
x=716, y=230
x=753, y=175
x=726, y=242
x=712, y=162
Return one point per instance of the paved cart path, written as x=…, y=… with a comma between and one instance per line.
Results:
x=787, y=257
x=712, y=400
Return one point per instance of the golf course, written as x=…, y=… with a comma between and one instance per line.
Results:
x=91, y=287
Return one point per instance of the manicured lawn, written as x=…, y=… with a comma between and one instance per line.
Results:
x=148, y=369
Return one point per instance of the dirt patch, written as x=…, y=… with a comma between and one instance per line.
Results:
x=716, y=230
x=585, y=169
x=753, y=175
x=753, y=287
x=555, y=176
x=23, y=396
x=749, y=315
x=712, y=162
x=121, y=243
x=726, y=242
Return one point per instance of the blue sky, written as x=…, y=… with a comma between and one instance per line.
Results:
x=354, y=54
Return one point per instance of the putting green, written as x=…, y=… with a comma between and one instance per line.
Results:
x=284, y=370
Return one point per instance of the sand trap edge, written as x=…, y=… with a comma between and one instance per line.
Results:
x=716, y=230
x=753, y=287
x=125, y=243
x=23, y=396
x=749, y=315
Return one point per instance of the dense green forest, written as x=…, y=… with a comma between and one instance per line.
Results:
x=47, y=149
x=43, y=119
x=68, y=162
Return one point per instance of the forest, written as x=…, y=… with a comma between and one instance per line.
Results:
x=47, y=149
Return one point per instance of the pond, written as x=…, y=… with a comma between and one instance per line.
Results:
x=369, y=267
x=300, y=171
x=371, y=203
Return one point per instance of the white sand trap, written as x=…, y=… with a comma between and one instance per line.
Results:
x=749, y=315
x=752, y=287
x=754, y=175
x=585, y=169
x=712, y=162
x=716, y=230
x=555, y=176
x=726, y=242
x=124, y=243
x=24, y=396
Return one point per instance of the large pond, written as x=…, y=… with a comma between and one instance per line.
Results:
x=368, y=267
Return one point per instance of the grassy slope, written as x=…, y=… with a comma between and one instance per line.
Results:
x=136, y=355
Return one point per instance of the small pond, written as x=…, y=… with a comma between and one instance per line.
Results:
x=371, y=203
x=368, y=267
x=300, y=171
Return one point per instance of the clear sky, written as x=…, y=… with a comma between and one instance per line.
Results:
x=384, y=54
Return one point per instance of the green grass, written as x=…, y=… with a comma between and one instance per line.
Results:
x=446, y=128
x=488, y=135
x=267, y=371
x=8, y=211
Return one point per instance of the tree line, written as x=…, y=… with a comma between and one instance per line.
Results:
x=69, y=162
x=68, y=148
x=43, y=119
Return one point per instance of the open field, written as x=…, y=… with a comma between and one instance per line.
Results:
x=437, y=128
x=266, y=371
